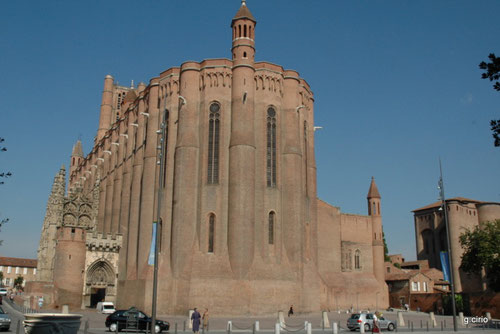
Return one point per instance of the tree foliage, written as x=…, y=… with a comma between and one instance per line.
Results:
x=18, y=282
x=386, y=249
x=492, y=72
x=482, y=250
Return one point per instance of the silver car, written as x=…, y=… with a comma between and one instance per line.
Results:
x=357, y=319
x=4, y=320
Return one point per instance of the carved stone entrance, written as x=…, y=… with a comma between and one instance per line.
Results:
x=100, y=283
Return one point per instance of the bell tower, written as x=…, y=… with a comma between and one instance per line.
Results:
x=243, y=27
x=241, y=218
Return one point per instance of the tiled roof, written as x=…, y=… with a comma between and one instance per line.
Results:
x=18, y=262
x=373, y=191
x=244, y=13
x=438, y=203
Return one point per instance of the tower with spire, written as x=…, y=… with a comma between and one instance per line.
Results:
x=374, y=198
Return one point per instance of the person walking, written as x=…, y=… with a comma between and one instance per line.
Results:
x=290, y=311
x=196, y=321
x=205, y=319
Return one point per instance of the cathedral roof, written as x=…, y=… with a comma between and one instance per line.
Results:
x=244, y=13
x=77, y=149
x=373, y=192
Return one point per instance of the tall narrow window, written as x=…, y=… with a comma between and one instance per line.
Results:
x=357, y=259
x=271, y=147
x=271, y=227
x=211, y=233
x=165, y=151
x=213, y=143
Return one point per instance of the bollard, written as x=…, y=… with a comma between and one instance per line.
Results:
x=281, y=318
x=86, y=328
x=18, y=329
x=325, y=321
x=401, y=320
x=277, y=328
x=335, y=328
x=483, y=326
x=433, y=319
x=421, y=324
x=229, y=326
x=175, y=331
x=309, y=328
x=461, y=317
x=65, y=309
x=427, y=325
x=257, y=325
x=184, y=326
x=362, y=327
x=253, y=328
x=441, y=326
x=411, y=323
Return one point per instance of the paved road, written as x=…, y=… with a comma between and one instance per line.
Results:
x=94, y=322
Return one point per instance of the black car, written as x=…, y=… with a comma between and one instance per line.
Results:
x=133, y=319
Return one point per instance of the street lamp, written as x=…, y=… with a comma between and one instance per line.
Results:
x=447, y=226
x=161, y=161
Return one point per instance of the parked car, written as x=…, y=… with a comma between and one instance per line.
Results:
x=357, y=319
x=133, y=319
x=105, y=307
x=3, y=292
x=4, y=320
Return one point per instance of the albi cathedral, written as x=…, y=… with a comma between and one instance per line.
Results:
x=241, y=228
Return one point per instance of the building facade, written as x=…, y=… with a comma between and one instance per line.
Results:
x=241, y=229
x=13, y=267
x=431, y=235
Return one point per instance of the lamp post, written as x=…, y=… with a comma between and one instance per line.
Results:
x=161, y=161
x=447, y=226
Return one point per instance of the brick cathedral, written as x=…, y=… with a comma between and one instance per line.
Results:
x=240, y=226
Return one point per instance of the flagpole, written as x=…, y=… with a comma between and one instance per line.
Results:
x=452, y=278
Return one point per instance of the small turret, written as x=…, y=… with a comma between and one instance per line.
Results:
x=76, y=159
x=373, y=199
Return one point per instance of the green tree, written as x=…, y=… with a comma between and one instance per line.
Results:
x=482, y=250
x=386, y=249
x=492, y=72
x=18, y=282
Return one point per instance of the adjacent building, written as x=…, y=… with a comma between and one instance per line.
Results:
x=231, y=191
x=13, y=267
x=431, y=235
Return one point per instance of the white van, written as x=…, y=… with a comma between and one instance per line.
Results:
x=105, y=307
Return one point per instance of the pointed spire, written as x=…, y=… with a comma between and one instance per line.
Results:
x=77, y=149
x=244, y=13
x=373, y=192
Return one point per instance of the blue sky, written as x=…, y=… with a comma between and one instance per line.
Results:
x=396, y=86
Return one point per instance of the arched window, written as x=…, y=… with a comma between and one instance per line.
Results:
x=250, y=31
x=357, y=259
x=244, y=31
x=213, y=143
x=167, y=115
x=271, y=227
x=211, y=233
x=374, y=208
x=271, y=147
